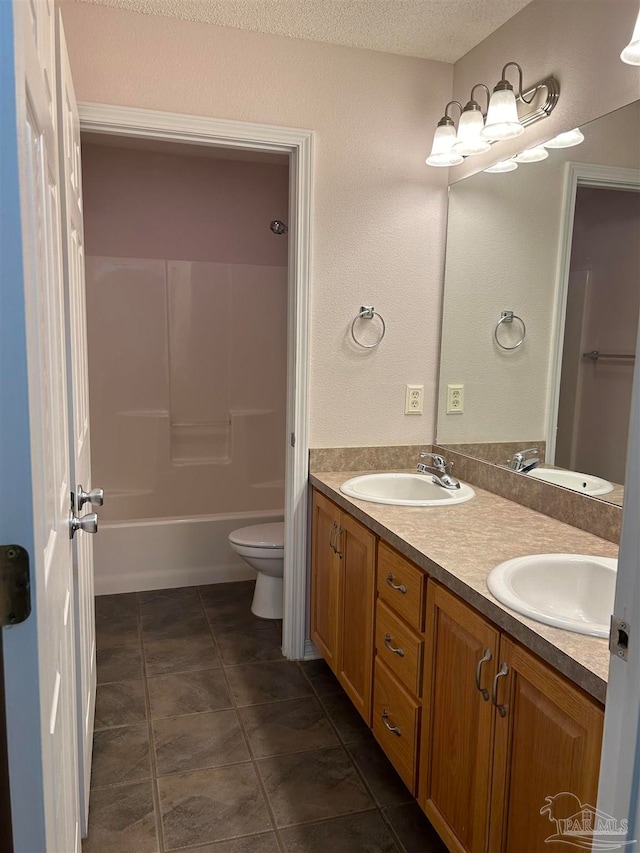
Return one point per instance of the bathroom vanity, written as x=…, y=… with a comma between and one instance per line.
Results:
x=485, y=714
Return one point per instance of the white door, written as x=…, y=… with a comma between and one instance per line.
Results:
x=39, y=665
x=76, y=324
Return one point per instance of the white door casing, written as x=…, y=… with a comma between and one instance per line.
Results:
x=78, y=411
x=298, y=143
x=39, y=665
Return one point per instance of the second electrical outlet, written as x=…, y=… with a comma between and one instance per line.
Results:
x=455, y=399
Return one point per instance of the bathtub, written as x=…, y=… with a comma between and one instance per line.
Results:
x=131, y=556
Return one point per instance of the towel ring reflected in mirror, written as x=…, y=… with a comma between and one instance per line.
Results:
x=509, y=317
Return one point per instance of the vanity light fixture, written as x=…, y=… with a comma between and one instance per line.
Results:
x=532, y=155
x=565, y=140
x=503, y=121
x=631, y=53
x=469, y=140
x=503, y=166
x=442, y=153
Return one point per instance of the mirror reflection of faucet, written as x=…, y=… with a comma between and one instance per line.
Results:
x=441, y=470
x=523, y=462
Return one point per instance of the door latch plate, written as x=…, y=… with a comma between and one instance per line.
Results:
x=15, y=585
x=619, y=638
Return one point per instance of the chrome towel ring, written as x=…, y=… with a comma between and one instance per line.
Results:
x=509, y=317
x=367, y=313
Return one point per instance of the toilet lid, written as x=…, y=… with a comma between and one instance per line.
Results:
x=259, y=535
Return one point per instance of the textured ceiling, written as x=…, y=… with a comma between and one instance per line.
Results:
x=432, y=29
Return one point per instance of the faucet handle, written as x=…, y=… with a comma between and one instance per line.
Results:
x=438, y=461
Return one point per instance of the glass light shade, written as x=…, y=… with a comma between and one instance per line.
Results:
x=532, y=155
x=468, y=140
x=502, y=166
x=566, y=140
x=502, y=117
x=631, y=53
x=441, y=153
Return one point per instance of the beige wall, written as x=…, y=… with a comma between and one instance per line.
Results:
x=379, y=212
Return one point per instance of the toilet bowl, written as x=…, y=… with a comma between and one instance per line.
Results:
x=262, y=547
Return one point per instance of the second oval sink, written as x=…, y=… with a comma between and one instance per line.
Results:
x=570, y=591
x=400, y=489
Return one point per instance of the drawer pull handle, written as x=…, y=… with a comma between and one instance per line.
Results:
x=502, y=672
x=391, y=728
x=334, y=527
x=400, y=587
x=484, y=659
x=399, y=652
x=338, y=535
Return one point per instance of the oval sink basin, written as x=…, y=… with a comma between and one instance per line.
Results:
x=570, y=591
x=404, y=490
x=585, y=483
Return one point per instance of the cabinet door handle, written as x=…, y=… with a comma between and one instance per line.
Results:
x=338, y=535
x=387, y=642
x=334, y=527
x=502, y=672
x=400, y=587
x=391, y=728
x=484, y=659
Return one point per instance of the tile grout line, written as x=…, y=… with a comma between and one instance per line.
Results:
x=152, y=749
x=256, y=770
x=378, y=807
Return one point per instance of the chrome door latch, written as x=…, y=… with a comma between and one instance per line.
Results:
x=619, y=638
x=15, y=585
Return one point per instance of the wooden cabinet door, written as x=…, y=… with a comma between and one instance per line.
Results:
x=456, y=755
x=547, y=743
x=357, y=558
x=324, y=578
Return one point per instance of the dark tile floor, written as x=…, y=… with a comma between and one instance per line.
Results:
x=208, y=740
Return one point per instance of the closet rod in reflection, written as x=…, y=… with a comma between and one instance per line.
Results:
x=595, y=354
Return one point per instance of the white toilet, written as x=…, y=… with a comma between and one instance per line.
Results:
x=262, y=547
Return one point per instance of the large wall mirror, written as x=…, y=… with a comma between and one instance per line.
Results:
x=557, y=244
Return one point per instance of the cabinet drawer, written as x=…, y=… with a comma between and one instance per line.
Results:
x=399, y=647
x=396, y=723
x=401, y=585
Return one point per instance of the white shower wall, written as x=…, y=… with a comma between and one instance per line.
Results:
x=188, y=386
x=187, y=365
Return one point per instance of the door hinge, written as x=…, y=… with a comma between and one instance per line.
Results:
x=619, y=638
x=15, y=585
x=293, y=439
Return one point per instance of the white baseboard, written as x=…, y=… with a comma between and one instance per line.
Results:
x=310, y=651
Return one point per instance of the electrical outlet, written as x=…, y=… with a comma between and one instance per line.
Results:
x=413, y=399
x=455, y=399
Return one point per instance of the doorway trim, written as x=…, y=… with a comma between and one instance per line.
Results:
x=575, y=175
x=298, y=144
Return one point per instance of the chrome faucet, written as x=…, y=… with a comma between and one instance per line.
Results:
x=440, y=469
x=522, y=461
